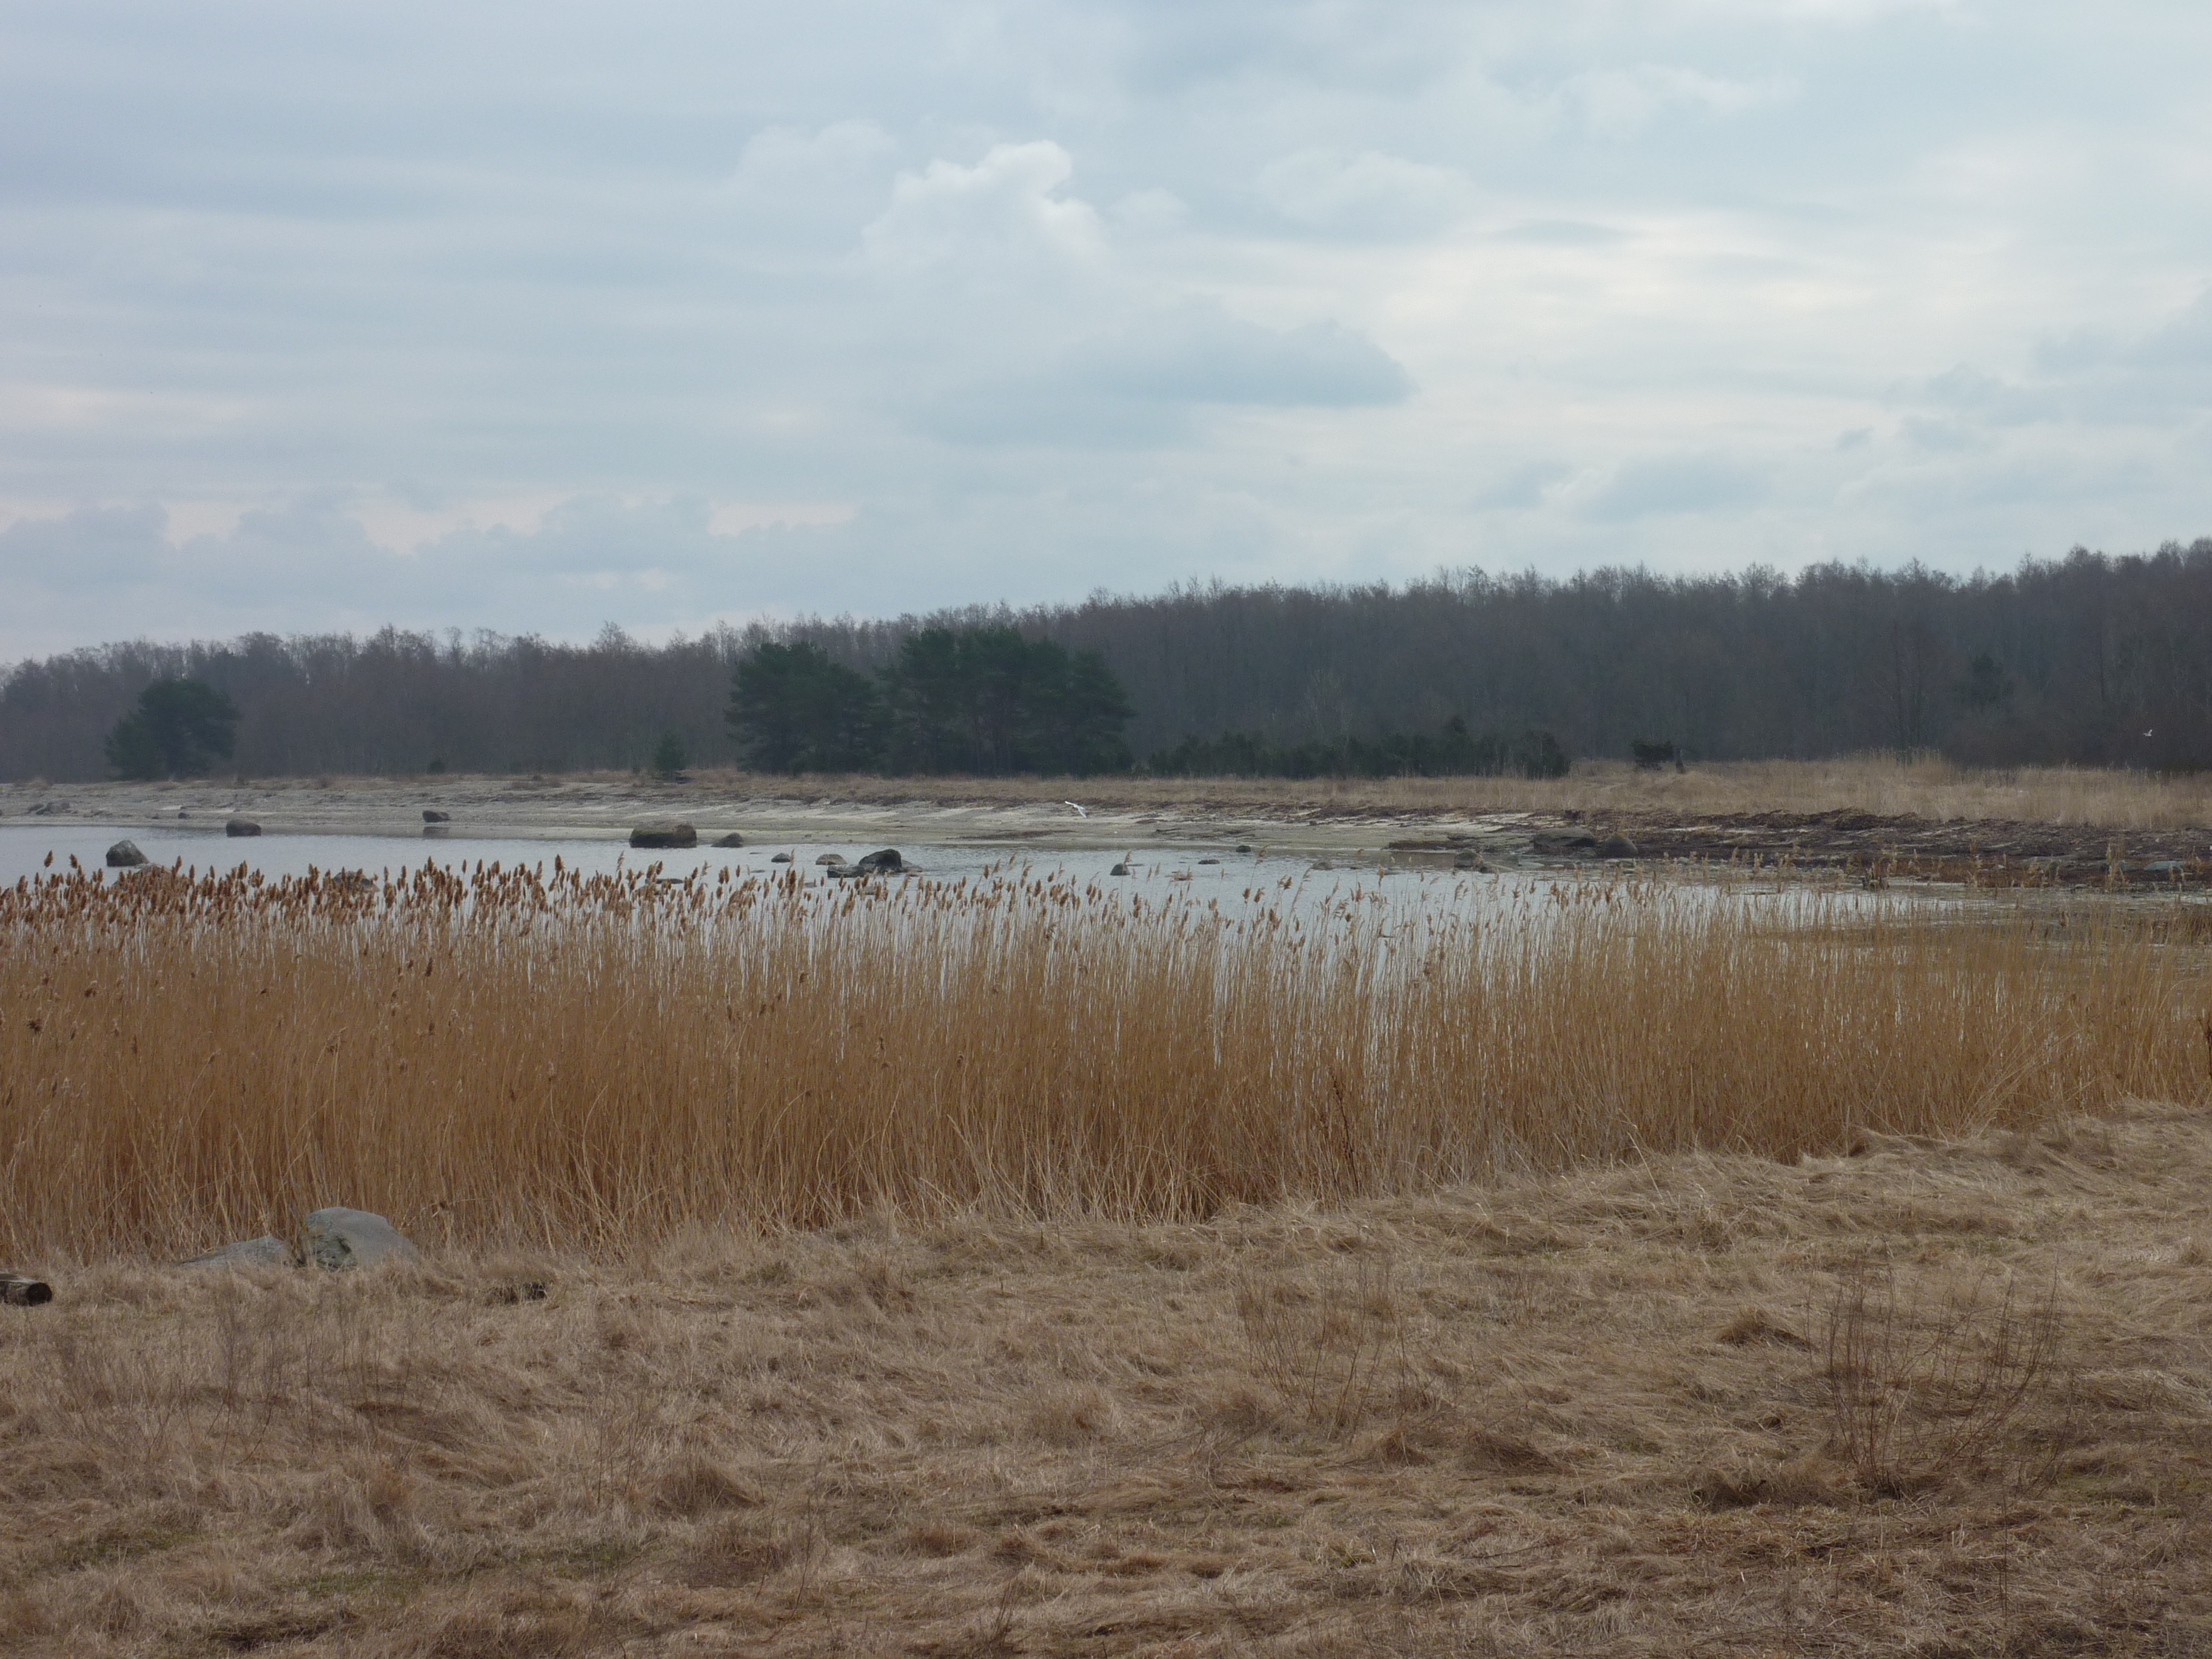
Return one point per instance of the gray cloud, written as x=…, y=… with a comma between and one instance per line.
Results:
x=536, y=317
x=1676, y=483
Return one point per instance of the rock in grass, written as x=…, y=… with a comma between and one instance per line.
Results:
x=668, y=833
x=339, y=1238
x=1616, y=846
x=21, y=1290
x=266, y=1251
x=733, y=839
x=125, y=855
x=241, y=827
x=887, y=862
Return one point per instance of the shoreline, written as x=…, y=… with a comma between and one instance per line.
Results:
x=1719, y=818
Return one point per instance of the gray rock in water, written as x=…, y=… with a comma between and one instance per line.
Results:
x=888, y=861
x=1616, y=847
x=241, y=827
x=780, y=858
x=432, y=815
x=670, y=833
x=831, y=858
x=733, y=839
x=266, y=1251
x=1564, y=841
x=125, y=855
x=340, y=1237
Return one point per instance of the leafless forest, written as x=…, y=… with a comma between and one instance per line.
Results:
x=2090, y=659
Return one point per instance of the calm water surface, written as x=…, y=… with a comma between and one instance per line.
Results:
x=1237, y=881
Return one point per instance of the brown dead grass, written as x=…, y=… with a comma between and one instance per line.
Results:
x=1623, y=1412
x=601, y=1063
x=1920, y=786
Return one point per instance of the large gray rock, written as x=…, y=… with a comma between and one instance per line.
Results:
x=1616, y=846
x=241, y=827
x=887, y=861
x=830, y=857
x=266, y=1251
x=339, y=1237
x=125, y=855
x=432, y=815
x=780, y=858
x=733, y=839
x=669, y=833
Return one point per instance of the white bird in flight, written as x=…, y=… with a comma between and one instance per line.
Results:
x=1077, y=811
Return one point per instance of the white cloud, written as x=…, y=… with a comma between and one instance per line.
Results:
x=1368, y=194
x=1620, y=102
x=998, y=219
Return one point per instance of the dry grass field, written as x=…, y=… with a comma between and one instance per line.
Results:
x=1941, y=1398
x=1019, y=1267
x=1890, y=786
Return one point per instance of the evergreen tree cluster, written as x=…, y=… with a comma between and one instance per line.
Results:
x=179, y=728
x=982, y=701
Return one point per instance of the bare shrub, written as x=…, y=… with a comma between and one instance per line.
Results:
x=1936, y=1378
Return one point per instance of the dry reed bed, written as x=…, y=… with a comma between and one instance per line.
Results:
x=1936, y=1399
x=503, y=1057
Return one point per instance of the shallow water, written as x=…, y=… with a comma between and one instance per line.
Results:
x=1239, y=882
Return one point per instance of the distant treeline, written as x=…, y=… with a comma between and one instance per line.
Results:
x=1454, y=752
x=2087, y=659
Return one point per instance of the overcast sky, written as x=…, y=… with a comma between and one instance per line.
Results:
x=535, y=316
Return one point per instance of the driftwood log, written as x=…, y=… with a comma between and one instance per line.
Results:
x=22, y=1291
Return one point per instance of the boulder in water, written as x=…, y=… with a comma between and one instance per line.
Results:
x=668, y=833
x=733, y=839
x=241, y=827
x=886, y=862
x=125, y=855
x=1616, y=847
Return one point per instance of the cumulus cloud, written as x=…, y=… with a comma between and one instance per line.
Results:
x=999, y=218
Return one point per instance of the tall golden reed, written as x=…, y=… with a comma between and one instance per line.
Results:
x=498, y=1054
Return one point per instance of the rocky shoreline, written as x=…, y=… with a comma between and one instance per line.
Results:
x=1865, y=846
